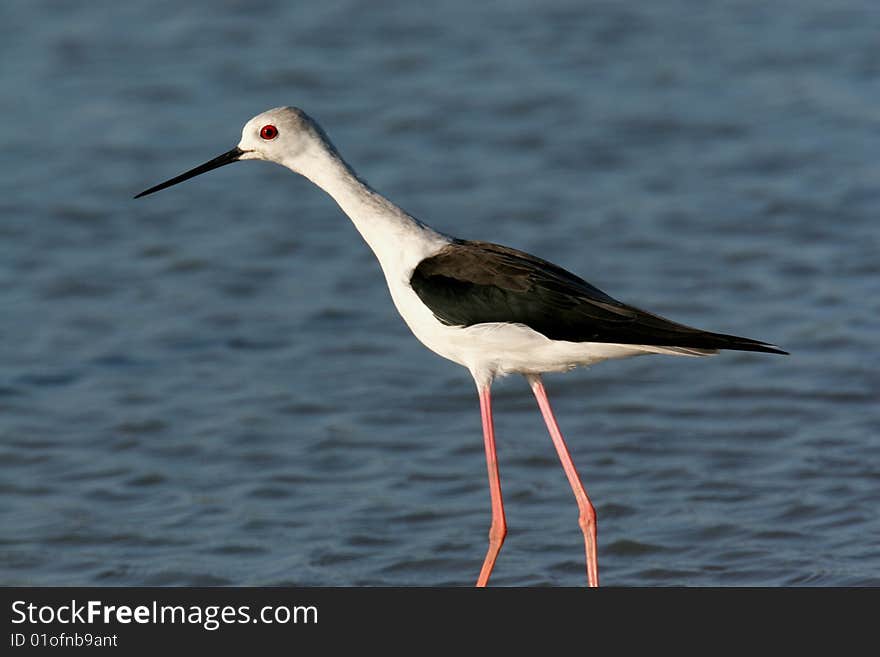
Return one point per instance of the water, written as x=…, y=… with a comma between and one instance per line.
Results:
x=211, y=385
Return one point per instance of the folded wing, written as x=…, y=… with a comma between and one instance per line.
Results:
x=470, y=283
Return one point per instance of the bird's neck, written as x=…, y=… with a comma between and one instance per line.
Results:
x=399, y=240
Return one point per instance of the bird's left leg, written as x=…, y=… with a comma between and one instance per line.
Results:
x=587, y=518
x=498, y=530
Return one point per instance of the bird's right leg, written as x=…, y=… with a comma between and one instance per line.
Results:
x=587, y=519
x=498, y=529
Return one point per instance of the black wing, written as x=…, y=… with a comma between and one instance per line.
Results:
x=469, y=283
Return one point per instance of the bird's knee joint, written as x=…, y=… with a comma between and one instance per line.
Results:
x=497, y=532
x=587, y=518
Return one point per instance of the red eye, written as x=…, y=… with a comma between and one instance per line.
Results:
x=268, y=132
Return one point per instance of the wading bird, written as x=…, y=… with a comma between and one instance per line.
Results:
x=490, y=308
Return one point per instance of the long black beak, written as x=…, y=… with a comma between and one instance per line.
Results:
x=219, y=161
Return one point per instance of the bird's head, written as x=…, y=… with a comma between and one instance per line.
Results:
x=284, y=135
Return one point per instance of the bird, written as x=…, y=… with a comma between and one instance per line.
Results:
x=493, y=309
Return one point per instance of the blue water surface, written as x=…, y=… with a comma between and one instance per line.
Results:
x=210, y=386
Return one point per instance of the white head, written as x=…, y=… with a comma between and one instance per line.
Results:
x=284, y=135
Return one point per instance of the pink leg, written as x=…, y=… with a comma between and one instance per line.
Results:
x=498, y=530
x=587, y=519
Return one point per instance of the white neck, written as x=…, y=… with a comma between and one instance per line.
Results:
x=399, y=240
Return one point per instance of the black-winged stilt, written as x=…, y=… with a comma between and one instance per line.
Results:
x=492, y=309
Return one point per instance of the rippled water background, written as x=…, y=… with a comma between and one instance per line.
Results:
x=211, y=385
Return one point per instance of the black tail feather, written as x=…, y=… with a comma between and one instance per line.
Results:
x=707, y=340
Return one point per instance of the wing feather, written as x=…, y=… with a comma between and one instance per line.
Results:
x=469, y=283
